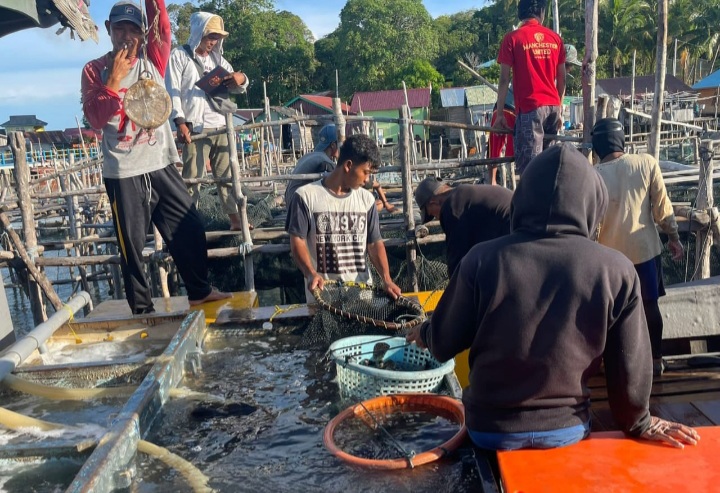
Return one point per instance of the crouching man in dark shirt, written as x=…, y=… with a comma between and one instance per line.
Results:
x=540, y=309
x=469, y=214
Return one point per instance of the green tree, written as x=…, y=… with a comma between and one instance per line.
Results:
x=375, y=37
x=625, y=25
x=418, y=73
x=460, y=35
x=271, y=47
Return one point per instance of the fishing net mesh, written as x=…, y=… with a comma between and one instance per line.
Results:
x=350, y=309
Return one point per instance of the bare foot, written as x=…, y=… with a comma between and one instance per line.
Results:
x=238, y=227
x=213, y=296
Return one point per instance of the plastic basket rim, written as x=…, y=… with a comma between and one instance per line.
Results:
x=440, y=371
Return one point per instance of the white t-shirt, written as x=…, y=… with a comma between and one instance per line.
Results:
x=337, y=230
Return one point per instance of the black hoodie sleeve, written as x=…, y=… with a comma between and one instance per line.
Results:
x=453, y=325
x=628, y=363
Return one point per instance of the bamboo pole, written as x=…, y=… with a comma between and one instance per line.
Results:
x=589, y=71
x=339, y=118
x=242, y=208
x=406, y=175
x=704, y=202
x=661, y=54
x=42, y=281
x=72, y=203
x=22, y=183
x=162, y=271
x=632, y=94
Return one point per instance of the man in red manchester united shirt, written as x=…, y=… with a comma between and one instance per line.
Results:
x=536, y=57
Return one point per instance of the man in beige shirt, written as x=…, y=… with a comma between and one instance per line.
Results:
x=638, y=201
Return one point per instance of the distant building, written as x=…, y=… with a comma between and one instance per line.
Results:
x=387, y=104
x=24, y=123
x=709, y=97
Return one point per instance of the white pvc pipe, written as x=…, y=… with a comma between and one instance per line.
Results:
x=20, y=350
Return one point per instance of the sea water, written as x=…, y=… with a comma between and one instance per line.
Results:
x=268, y=437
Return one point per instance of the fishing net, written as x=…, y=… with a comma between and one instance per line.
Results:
x=261, y=212
x=397, y=431
x=350, y=309
x=432, y=275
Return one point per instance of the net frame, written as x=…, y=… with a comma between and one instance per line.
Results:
x=402, y=301
x=441, y=406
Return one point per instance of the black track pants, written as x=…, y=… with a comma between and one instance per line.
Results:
x=162, y=198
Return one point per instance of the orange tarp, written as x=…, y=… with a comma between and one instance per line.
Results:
x=608, y=462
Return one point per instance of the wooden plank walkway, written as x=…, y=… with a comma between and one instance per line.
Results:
x=684, y=394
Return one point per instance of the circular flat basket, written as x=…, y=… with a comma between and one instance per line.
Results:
x=147, y=103
x=439, y=405
x=417, y=371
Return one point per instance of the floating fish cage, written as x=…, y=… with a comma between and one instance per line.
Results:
x=253, y=403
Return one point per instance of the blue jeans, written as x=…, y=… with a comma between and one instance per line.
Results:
x=530, y=439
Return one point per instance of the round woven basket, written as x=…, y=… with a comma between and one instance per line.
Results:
x=419, y=371
x=147, y=103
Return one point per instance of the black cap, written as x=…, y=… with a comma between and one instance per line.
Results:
x=608, y=136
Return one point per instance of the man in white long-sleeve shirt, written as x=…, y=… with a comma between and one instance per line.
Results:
x=194, y=111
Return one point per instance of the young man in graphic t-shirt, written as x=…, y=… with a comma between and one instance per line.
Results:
x=536, y=57
x=333, y=223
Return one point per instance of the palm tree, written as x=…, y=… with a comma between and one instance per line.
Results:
x=626, y=25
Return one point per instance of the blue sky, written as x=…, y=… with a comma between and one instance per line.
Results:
x=40, y=73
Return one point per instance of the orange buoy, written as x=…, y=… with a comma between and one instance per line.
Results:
x=439, y=405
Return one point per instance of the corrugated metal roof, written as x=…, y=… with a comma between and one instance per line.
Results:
x=644, y=84
x=389, y=100
x=478, y=95
x=51, y=137
x=248, y=114
x=315, y=105
x=710, y=82
x=452, y=96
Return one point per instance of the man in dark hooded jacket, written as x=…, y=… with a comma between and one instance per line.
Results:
x=540, y=309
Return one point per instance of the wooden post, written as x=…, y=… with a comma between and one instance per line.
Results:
x=71, y=203
x=632, y=94
x=339, y=119
x=704, y=202
x=242, y=207
x=602, y=108
x=22, y=183
x=661, y=54
x=589, y=71
x=40, y=280
x=117, y=279
x=406, y=175
x=162, y=271
x=7, y=331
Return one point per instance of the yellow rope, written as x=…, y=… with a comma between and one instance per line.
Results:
x=69, y=323
x=279, y=310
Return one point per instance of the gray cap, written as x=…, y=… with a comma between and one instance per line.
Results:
x=571, y=55
x=126, y=10
x=424, y=191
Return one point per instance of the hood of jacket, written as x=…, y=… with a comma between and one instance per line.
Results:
x=559, y=193
x=198, y=21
